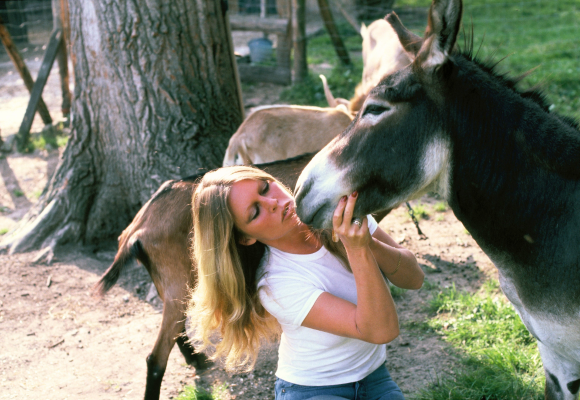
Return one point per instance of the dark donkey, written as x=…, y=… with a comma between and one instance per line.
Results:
x=509, y=169
x=159, y=238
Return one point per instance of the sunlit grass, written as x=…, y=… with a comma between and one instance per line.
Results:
x=421, y=210
x=440, y=207
x=218, y=392
x=500, y=357
x=530, y=34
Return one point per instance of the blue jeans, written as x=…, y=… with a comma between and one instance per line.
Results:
x=376, y=386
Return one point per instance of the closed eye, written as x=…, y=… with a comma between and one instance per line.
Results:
x=375, y=109
x=263, y=190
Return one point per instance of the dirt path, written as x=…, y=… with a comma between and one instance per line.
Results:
x=59, y=343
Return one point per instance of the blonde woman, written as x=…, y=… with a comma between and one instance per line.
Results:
x=260, y=269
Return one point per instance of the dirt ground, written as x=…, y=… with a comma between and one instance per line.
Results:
x=57, y=342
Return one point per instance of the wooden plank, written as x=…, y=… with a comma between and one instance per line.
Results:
x=49, y=56
x=22, y=69
x=337, y=42
x=259, y=73
x=254, y=23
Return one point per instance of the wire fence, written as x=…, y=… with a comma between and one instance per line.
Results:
x=28, y=22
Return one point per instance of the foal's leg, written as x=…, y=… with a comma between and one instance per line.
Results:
x=170, y=329
x=562, y=375
x=198, y=360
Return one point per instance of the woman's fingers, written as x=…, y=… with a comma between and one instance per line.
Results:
x=337, y=217
x=349, y=209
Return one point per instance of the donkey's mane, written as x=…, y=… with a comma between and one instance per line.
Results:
x=534, y=93
x=558, y=153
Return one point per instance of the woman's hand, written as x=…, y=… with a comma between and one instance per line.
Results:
x=352, y=235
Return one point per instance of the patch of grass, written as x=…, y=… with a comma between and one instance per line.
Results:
x=397, y=292
x=342, y=80
x=501, y=357
x=17, y=193
x=429, y=285
x=36, y=194
x=4, y=208
x=49, y=138
x=61, y=141
x=421, y=211
x=420, y=326
x=218, y=392
x=3, y=231
x=440, y=207
x=527, y=39
x=440, y=217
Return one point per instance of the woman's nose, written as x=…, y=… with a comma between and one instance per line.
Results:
x=271, y=204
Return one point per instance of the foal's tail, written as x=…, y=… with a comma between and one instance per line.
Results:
x=127, y=254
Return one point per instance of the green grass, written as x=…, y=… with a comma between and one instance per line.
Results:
x=500, y=357
x=218, y=392
x=342, y=80
x=17, y=193
x=48, y=139
x=36, y=194
x=543, y=34
x=429, y=285
x=3, y=231
x=421, y=210
x=440, y=207
x=397, y=292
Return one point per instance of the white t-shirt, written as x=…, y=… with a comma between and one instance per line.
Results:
x=288, y=289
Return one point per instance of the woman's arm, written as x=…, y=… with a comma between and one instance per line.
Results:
x=397, y=263
x=374, y=318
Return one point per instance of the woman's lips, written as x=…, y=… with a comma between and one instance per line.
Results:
x=288, y=210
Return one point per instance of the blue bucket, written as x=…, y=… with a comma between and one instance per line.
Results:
x=260, y=50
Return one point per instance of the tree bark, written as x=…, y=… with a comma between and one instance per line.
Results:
x=155, y=98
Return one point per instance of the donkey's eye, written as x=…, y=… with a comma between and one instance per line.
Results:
x=375, y=109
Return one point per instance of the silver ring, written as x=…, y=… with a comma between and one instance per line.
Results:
x=357, y=222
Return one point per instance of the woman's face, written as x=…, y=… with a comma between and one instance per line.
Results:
x=262, y=210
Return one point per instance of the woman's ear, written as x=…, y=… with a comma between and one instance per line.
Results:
x=247, y=241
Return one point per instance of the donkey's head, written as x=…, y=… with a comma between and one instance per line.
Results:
x=397, y=146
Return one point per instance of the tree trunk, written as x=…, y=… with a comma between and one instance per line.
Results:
x=155, y=98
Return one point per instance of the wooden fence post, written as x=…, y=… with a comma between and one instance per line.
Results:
x=20, y=66
x=299, y=28
x=328, y=20
x=49, y=56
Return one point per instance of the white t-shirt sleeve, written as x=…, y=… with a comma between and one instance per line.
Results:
x=373, y=225
x=288, y=299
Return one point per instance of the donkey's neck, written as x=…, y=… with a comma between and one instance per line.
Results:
x=515, y=166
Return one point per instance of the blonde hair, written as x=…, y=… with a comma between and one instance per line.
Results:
x=225, y=298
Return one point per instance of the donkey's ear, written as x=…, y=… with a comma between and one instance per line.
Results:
x=410, y=42
x=441, y=32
